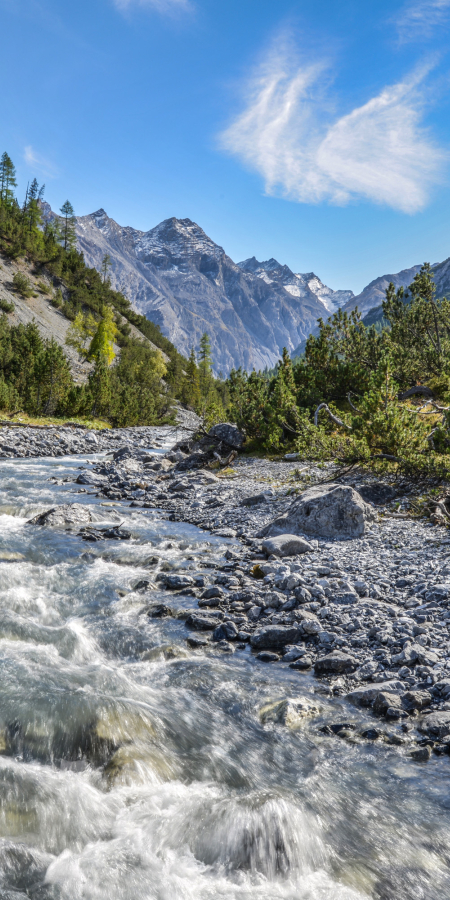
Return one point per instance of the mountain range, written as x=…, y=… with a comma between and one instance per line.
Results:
x=179, y=278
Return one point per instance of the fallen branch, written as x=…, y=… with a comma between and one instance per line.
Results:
x=228, y=460
x=331, y=416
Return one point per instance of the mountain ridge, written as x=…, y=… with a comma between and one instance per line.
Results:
x=184, y=282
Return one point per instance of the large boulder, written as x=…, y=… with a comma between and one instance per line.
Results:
x=326, y=510
x=228, y=434
x=66, y=516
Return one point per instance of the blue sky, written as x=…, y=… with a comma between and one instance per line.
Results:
x=314, y=131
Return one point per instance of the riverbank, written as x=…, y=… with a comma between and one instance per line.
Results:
x=369, y=616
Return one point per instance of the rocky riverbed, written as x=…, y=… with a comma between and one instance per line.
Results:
x=368, y=616
x=186, y=713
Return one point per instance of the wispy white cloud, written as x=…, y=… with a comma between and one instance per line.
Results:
x=39, y=164
x=418, y=19
x=165, y=7
x=379, y=151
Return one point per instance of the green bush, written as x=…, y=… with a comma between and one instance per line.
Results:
x=22, y=285
x=6, y=307
x=57, y=300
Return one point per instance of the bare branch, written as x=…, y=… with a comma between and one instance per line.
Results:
x=352, y=405
x=331, y=416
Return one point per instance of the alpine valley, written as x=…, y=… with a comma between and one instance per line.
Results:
x=179, y=278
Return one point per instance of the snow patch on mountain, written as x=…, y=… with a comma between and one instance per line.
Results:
x=297, y=284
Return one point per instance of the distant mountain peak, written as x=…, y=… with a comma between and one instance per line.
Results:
x=297, y=284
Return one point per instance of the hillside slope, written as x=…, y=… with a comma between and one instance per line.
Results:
x=49, y=320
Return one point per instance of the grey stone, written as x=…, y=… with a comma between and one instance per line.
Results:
x=367, y=670
x=345, y=598
x=416, y=699
x=212, y=592
x=335, y=663
x=289, y=712
x=267, y=656
x=274, y=637
x=195, y=641
x=256, y=499
x=384, y=701
x=178, y=582
x=305, y=662
x=364, y=695
x=293, y=653
x=421, y=755
x=226, y=631
x=436, y=725
x=413, y=654
x=302, y=595
x=201, y=623
x=254, y=613
x=225, y=646
x=286, y=545
x=328, y=510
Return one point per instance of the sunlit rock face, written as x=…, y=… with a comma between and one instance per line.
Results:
x=184, y=282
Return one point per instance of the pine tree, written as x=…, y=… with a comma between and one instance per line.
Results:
x=7, y=180
x=106, y=265
x=191, y=394
x=205, y=364
x=32, y=212
x=68, y=228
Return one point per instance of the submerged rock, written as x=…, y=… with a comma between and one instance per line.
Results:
x=64, y=516
x=289, y=712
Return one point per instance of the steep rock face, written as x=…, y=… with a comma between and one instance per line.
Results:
x=180, y=279
x=307, y=286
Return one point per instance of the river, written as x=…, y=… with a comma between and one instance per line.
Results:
x=132, y=768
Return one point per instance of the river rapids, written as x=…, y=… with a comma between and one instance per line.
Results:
x=133, y=768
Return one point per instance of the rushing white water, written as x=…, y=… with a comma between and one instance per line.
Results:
x=134, y=769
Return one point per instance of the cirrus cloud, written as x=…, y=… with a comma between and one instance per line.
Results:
x=39, y=163
x=417, y=20
x=379, y=151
